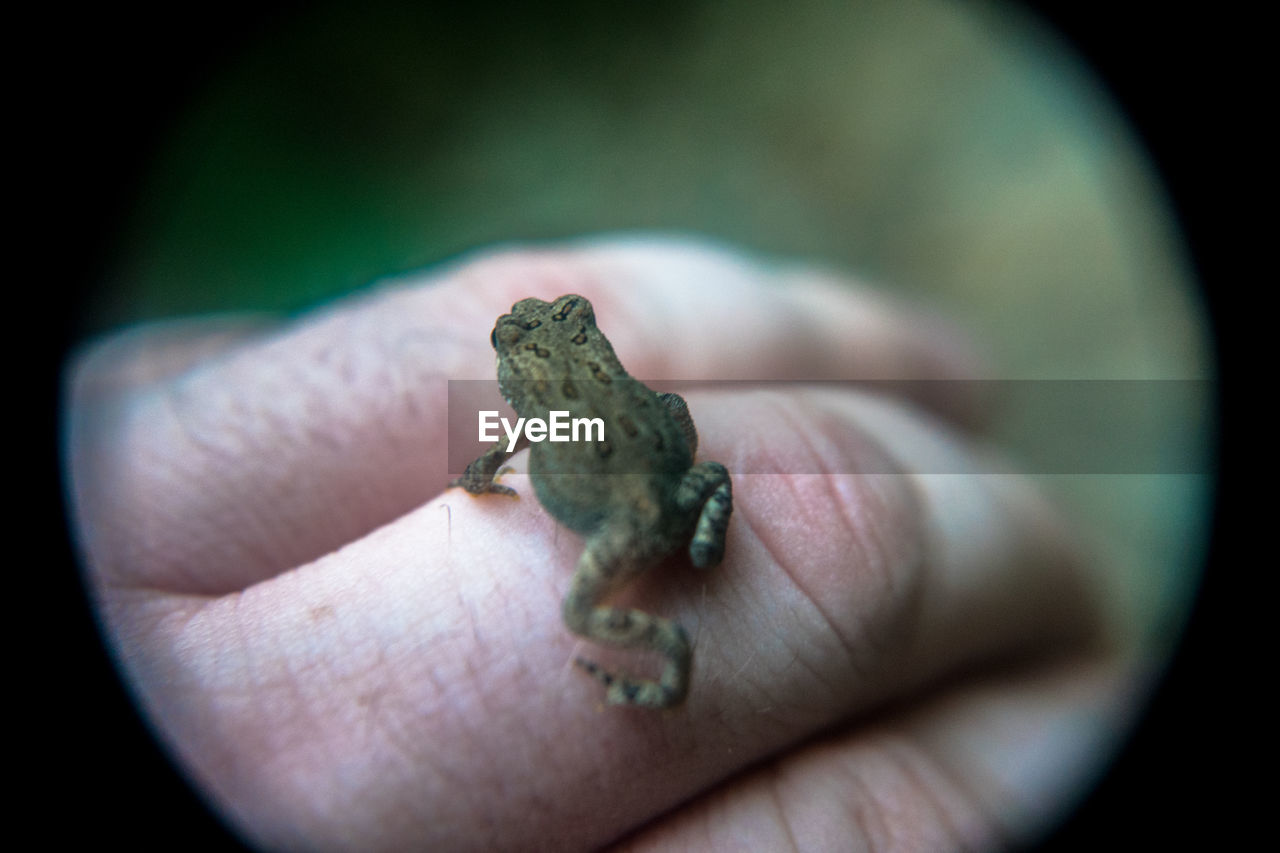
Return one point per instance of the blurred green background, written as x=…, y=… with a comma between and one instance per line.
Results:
x=957, y=153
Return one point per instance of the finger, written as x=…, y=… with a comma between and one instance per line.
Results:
x=988, y=764
x=418, y=684
x=205, y=476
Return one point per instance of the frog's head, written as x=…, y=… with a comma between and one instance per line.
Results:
x=539, y=327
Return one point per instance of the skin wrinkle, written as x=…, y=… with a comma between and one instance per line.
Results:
x=252, y=678
x=295, y=775
x=308, y=717
x=862, y=528
x=881, y=824
x=241, y=781
x=834, y=687
x=166, y=404
x=964, y=787
x=857, y=533
x=211, y=448
x=497, y=776
x=383, y=724
x=902, y=759
x=861, y=809
x=794, y=574
x=777, y=799
x=766, y=689
x=830, y=799
x=895, y=636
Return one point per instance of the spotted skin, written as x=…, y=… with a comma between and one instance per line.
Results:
x=636, y=496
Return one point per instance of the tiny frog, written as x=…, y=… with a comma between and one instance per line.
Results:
x=635, y=497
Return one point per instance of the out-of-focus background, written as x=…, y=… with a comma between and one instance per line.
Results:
x=960, y=154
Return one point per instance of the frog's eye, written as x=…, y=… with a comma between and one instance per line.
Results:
x=493, y=338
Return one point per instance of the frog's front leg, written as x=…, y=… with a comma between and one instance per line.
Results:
x=707, y=490
x=603, y=566
x=480, y=476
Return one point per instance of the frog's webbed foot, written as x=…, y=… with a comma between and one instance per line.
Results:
x=480, y=477
x=628, y=629
x=707, y=485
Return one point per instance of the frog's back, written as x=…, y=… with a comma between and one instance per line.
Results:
x=638, y=465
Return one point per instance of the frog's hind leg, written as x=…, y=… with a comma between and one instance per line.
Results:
x=707, y=490
x=599, y=570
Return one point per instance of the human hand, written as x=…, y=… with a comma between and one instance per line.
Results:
x=901, y=648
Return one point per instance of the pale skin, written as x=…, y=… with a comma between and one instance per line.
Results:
x=344, y=654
